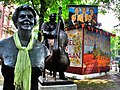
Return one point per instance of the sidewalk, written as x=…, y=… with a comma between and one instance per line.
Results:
x=108, y=76
x=82, y=77
x=109, y=81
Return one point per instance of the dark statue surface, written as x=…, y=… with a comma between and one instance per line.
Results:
x=24, y=19
x=56, y=40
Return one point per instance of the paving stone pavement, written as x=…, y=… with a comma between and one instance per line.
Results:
x=112, y=75
x=115, y=76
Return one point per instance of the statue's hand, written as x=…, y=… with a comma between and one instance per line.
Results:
x=54, y=33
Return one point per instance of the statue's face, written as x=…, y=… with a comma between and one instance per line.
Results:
x=52, y=17
x=25, y=20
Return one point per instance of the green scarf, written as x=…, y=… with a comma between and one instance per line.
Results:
x=22, y=72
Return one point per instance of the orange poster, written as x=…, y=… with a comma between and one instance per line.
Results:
x=96, y=49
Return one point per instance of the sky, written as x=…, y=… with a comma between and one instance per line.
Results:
x=108, y=21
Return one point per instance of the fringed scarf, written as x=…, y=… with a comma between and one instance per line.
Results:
x=22, y=72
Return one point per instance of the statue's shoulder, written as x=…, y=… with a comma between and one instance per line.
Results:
x=6, y=41
x=5, y=45
x=37, y=43
x=40, y=47
x=46, y=24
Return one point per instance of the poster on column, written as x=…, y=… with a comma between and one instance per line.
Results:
x=96, y=48
x=79, y=14
x=74, y=47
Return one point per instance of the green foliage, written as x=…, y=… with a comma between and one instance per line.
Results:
x=113, y=5
x=114, y=45
x=45, y=7
x=54, y=6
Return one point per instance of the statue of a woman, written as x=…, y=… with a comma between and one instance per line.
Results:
x=22, y=56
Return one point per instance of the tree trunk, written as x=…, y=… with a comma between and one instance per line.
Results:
x=43, y=9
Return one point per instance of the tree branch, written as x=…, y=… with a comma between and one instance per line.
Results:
x=35, y=8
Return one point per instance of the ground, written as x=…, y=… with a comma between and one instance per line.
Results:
x=110, y=81
x=107, y=82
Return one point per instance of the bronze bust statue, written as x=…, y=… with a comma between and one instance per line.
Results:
x=24, y=19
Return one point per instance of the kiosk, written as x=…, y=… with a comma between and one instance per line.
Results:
x=88, y=47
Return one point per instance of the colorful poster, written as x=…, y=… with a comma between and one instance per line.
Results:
x=96, y=49
x=79, y=14
x=74, y=47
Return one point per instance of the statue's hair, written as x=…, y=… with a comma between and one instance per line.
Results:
x=20, y=8
x=52, y=15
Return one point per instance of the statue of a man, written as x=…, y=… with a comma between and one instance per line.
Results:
x=22, y=56
x=50, y=33
x=49, y=28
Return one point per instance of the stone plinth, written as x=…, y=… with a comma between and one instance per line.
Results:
x=51, y=83
x=58, y=87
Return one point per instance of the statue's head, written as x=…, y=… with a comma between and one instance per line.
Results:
x=24, y=17
x=52, y=17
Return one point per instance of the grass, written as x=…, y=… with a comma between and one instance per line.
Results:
x=95, y=84
x=99, y=83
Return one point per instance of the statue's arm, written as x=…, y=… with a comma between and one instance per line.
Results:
x=44, y=29
x=46, y=52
